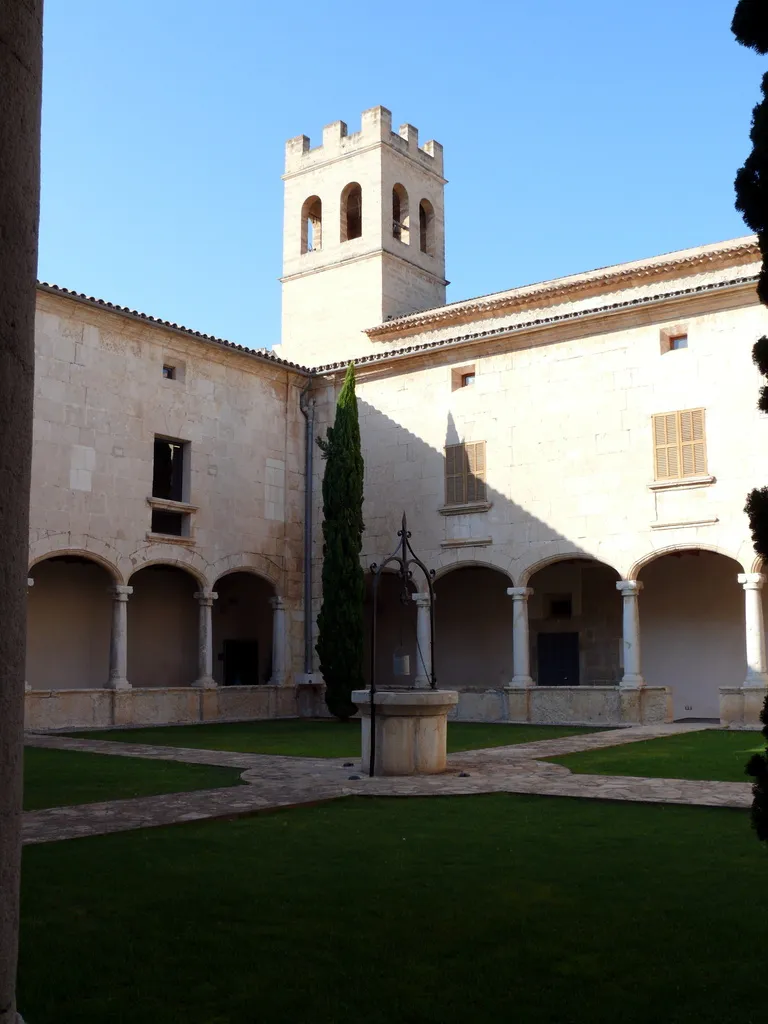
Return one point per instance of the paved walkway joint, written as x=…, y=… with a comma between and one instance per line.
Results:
x=276, y=782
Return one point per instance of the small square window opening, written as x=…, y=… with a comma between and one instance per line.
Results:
x=560, y=606
x=169, y=372
x=462, y=376
x=674, y=338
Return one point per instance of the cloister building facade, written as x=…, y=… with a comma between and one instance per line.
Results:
x=573, y=458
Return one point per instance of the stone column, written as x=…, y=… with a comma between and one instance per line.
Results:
x=423, y=680
x=30, y=583
x=630, y=590
x=521, y=650
x=118, y=644
x=278, y=641
x=757, y=673
x=21, y=51
x=205, y=680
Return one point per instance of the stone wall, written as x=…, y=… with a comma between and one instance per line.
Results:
x=566, y=414
x=332, y=294
x=84, y=709
x=100, y=400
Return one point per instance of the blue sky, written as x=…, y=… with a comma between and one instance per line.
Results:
x=576, y=135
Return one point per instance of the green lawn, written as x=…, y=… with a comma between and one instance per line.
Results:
x=710, y=754
x=422, y=911
x=59, y=778
x=302, y=738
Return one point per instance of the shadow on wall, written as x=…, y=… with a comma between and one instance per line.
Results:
x=691, y=609
x=473, y=613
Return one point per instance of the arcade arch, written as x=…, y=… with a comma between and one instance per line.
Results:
x=473, y=631
x=692, y=627
x=69, y=623
x=163, y=624
x=575, y=624
x=243, y=629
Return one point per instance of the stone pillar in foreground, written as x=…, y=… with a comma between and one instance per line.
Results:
x=757, y=671
x=630, y=591
x=278, y=641
x=423, y=680
x=521, y=649
x=21, y=47
x=118, y=644
x=205, y=680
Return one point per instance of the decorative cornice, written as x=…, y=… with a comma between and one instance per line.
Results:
x=508, y=330
x=621, y=276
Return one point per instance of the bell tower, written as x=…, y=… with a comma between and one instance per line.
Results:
x=363, y=236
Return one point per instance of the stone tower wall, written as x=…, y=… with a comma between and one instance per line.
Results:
x=332, y=293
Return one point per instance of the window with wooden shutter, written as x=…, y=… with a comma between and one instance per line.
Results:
x=465, y=473
x=679, y=444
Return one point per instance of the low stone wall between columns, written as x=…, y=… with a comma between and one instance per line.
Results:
x=480, y=706
x=588, y=705
x=740, y=706
x=93, y=709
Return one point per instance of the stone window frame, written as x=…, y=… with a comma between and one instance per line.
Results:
x=458, y=375
x=669, y=334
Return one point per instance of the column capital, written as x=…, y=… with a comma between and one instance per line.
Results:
x=422, y=600
x=629, y=588
x=121, y=593
x=519, y=593
x=206, y=597
x=278, y=603
x=751, y=580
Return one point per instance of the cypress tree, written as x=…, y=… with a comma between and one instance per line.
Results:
x=750, y=26
x=340, y=623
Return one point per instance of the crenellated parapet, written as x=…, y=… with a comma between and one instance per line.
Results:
x=375, y=128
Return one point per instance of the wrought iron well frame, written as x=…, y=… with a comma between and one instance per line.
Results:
x=404, y=557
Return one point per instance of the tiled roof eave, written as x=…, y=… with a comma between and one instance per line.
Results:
x=528, y=325
x=262, y=355
x=558, y=290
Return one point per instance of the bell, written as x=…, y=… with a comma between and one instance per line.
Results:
x=401, y=663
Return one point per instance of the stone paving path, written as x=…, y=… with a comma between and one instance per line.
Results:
x=279, y=781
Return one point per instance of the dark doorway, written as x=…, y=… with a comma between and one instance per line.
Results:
x=558, y=655
x=241, y=662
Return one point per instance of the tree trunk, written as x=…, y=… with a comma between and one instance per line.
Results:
x=21, y=35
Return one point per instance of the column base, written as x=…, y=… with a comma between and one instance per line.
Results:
x=632, y=682
x=422, y=683
x=757, y=681
x=205, y=683
x=275, y=681
x=27, y=688
x=741, y=706
x=118, y=683
x=523, y=681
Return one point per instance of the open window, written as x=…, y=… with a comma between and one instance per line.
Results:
x=351, y=212
x=400, y=215
x=427, y=227
x=312, y=225
x=170, y=474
